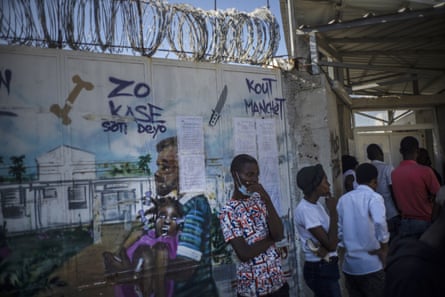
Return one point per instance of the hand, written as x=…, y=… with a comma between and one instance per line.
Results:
x=331, y=203
x=322, y=252
x=318, y=250
x=382, y=252
x=257, y=188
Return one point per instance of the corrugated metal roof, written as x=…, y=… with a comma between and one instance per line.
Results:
x=398, y=49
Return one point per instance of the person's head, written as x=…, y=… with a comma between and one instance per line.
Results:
x=409, y=146
x=423, y=157
x=366, y=174
x=245, y=171
x=348, y=162
x=374, y=152
x=168, y=216
x=167, y=175
x=312, y=180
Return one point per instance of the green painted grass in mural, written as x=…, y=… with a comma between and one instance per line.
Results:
x=33, y=257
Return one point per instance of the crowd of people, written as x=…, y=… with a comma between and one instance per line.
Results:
x=388, y=227
x=384, y=235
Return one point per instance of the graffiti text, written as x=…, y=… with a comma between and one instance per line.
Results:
x=273, y=107
x=146, y=116
x=263, y=87
x=140, y=90
x=114, y=126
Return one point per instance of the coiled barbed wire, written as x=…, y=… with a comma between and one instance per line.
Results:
x=142, y=27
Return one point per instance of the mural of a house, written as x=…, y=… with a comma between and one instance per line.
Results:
x=64, y=174
x=66, y=163
x=67, y=192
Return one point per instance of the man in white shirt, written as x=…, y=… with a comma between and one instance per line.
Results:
x=363, y=233
x=384, y=187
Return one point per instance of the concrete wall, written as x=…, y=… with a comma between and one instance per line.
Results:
x=76, y=128
x=313, y=137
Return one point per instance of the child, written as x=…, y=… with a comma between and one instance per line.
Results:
x=153, y=245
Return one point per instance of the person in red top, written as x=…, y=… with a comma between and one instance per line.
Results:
x=415, y=187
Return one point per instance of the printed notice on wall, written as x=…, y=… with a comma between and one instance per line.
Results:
x=268, y=159
x=258, y=138
x=266, y=137
x=244, y=136
x=190, y=135
x=191, y=154
x=191, y=173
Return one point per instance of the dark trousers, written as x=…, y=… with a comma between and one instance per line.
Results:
x=412, y=227
x=367, y=285
x=393, y=227
x=322, y=277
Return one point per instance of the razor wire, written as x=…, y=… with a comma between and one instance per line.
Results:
x=143, y=28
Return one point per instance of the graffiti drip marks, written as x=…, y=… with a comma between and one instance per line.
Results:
x=6, y=79
x=63, y=112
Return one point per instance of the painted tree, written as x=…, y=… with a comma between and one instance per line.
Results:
x=17, y=169
x=144, y=164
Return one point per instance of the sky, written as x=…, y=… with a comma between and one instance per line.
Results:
x=242, y=5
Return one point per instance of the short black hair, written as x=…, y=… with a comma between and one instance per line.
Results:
x=409, y=145
x=365, y=173
x=348, y=162
x=169, y=201
x=373, y=151
x=239, y=161
x=167, y=142
x=309, y=178
x=423, y=157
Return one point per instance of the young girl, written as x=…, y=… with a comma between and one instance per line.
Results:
x=158, y=244
x=318, y=232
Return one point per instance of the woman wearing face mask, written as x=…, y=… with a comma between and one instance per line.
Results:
x=318, y=232
x=251, y=225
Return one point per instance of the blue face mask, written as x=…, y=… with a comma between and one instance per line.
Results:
x=242, y=188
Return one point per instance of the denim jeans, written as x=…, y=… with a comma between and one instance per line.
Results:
x=393, y=227
x=412, y=227
x=323, y=278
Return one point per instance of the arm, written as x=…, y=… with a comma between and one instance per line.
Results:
x=392, y=197
x=382, y=252
x=246, y=252
x=190, y=252
x=328, y=240
x=233, y=232
x=274, y=222
x=433, y=187
x=377, y=212
x=161, y=265
x=181, y=268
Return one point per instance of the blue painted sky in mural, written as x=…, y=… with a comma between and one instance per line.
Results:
x=29, y=142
